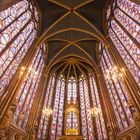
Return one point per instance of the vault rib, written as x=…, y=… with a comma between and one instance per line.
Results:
x=60, y=4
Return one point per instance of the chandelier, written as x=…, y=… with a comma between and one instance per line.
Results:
x=95, y=111
x=47, y=111
x=115, y=73
x=32, y=73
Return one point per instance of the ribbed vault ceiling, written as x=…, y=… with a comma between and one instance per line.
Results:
x=72, y=67
x=72, y=27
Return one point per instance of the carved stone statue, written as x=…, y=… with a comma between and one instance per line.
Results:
x=110, y=131
x=136, y=115
x=33, y=131
x=8, y=116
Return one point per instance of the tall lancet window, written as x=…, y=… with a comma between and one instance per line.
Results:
x=18, y=28
x=86, y=118
x=28, y=89
x=97, y=110
x=117, y=90
x=72, y=90
x=46, y=114
x=57, y=118
x=124, y=31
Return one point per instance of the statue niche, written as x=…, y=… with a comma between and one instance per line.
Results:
x=72, y=125
x=72, y=121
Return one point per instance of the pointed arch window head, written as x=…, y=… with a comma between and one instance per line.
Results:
x=72, y=124
x=18, y=29
x=72, y=90
x=68, y=119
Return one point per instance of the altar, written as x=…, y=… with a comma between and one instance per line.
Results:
x=71, y=122
x=72, y=137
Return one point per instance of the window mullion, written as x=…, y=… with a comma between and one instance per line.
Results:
x=113, y=95
x=13, y=20
x=117, y=92
x=127, y=33
x=58, y=109
x=31, y=82
x=37, y=78
x=15, y=56
x=128, y=15
x=125, y=48
x=14, y=38
x=86, y=109
x=45, y=117
x=93, y=86
x=82, y=94
x=33, y=91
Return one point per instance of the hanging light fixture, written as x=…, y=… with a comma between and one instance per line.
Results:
x=32, y=73
x=47, y=111
x=115, y=73
x=95, y=111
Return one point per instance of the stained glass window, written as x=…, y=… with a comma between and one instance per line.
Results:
x=45, y=118
x=18, y=28
x=124, y=31
x=28, y=90
x=57, y=119
x=72, y=121
x=100, y=123
x=118, y=92
x=86, y=118
x=72, y=90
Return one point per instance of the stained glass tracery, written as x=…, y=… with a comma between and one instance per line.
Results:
x=100, y=122
x=57, y=118
x=72, y=121
x=18, y=28
x=72, y=90
x=28, y=90
x=124, y=31
x=86, y=118
x=45, y=118
x=118, y=92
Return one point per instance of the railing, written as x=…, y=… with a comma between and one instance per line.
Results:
x=129, y=133
x=13, y=133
